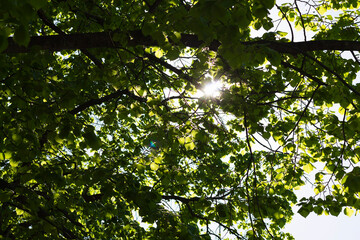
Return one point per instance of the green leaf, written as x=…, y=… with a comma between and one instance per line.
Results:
x=172, y=54
x=273, y=57
x=318, y=210
x=5, y=196
x=222, y=210
x=240, y=16
x=3, y=42
x=37, y=4
x=92, y=140
x=259, y=11
x=322, y=9
x=147, y=28
x=21, y=36
x=308, y=168
x=319, y=188
x=19, y=211
x=353, y=183
x=5, y=155
x=348, y=211
x=269, y=4
x=335, y=210
x=159, y=53
x=266, y=135
x=304, y=211
x=190, y=146
x=154, y=166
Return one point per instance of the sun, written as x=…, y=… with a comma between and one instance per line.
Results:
x=212, y=89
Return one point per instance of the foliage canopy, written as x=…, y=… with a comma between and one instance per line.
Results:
x=101, y=123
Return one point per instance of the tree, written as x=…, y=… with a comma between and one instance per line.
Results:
x=101, y=123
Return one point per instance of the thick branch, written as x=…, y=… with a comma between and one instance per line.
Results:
x=181, y=199
x=50, y=24
x=105, y=40
x=192, y=199
x=77, y=41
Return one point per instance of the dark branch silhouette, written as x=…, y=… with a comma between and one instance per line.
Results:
x=97, y=101
x=134, y=38
x=50, y=24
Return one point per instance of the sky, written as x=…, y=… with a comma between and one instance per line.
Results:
x=324, y=227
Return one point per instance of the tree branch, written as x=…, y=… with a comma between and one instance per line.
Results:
x=302, y=72
x=334, y=73
x=287, y=20
x=97, y=101
x=50, y=24
x=179, y=72
x=181, y=199
x=192, y=199
x=135, y=38
x=153, y=7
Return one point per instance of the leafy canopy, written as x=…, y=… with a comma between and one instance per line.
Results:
x=104, y=136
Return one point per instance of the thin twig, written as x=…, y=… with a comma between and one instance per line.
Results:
x=284, y=15
x=301, y=18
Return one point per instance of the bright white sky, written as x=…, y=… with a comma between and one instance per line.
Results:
x=324, y=227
